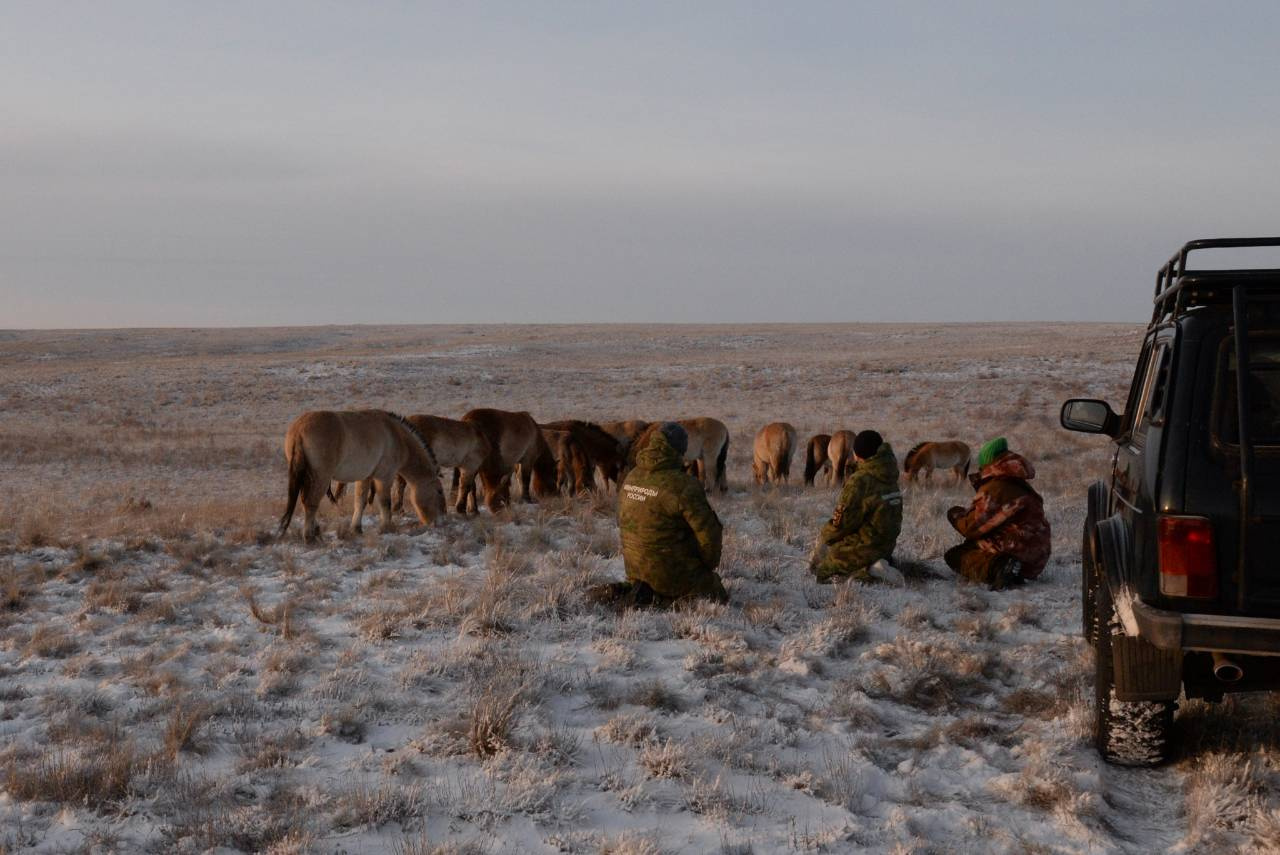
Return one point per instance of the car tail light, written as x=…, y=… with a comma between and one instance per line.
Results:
x=1188, y=564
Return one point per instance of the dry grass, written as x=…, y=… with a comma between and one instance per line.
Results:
x=95, y=774
x=183, y=725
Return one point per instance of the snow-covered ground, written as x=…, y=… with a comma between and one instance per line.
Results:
x=172, y=679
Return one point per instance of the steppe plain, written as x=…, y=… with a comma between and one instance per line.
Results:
x=173, y=678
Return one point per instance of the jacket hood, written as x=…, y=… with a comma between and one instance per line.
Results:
x=658, y=453
x=882, y=465
x=1008, y=465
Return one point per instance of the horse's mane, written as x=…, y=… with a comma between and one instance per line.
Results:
x=417, y=434
x=915, y=449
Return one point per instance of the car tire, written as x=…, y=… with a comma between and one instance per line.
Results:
x=1127, y=733
x=1089, y=582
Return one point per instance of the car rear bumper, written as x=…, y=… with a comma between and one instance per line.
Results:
x=1224, y=633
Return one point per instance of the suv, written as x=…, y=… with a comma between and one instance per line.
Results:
x=1181, y=555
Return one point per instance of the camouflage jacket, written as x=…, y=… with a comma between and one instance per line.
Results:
x=670, y=535
x=867, y=520
x=1007, y=516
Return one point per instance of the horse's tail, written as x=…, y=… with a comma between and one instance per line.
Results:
x=335, y=494
x=299, y=478
x=721, y=459
x=810, y=463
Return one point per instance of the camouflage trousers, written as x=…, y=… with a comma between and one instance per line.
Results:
x=986, y=568
x=840, y=561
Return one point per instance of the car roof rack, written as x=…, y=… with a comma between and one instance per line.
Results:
x=1178, y=288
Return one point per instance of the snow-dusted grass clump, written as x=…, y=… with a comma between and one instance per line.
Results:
x=172, y=679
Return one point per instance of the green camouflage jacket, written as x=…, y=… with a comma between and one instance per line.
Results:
x=670, y=534
x=866, y=522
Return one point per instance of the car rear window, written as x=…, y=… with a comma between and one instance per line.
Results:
x=1264, y=391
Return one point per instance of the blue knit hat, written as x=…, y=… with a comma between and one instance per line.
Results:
x=992, y=450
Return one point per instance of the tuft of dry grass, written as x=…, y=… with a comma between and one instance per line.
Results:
x=664, y=758
x=655, y=694
x=50, y=642
x=281, y=617
x=372, y=805
x=96, y=774
x=491, y=717
x=182, y=726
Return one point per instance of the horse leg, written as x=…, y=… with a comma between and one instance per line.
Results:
x=312, y=496
x=464, y=486
x=397, y=498
x=526, y=475
x=359, y=498
x=384, y=505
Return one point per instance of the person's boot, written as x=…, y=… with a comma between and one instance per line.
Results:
x=641, y=596
x=611, y=594
x=1006, y=573
x=884, y=571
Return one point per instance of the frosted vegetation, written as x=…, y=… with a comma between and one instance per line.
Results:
x=173, y=679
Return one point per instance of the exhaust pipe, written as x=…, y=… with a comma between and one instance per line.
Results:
x=1226, y=669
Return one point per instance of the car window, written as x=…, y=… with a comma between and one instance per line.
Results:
x=1264, y=392
x=1143, y=409
x=1156, y=401
x=1140, y=373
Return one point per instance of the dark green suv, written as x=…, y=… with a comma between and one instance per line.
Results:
x=1181, y=553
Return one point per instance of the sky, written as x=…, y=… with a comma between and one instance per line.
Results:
x=280, y=163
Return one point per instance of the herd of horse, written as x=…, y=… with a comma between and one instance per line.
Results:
x=390, y=458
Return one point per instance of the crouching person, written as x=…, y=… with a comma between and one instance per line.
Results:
x=671, y=537
x=1007, y=538
x=868, y=517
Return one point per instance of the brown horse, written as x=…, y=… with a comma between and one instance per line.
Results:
x=371, y=447
x=708, y=441
x=771, y=452
x=815, y=457
x=604, y=451
x=627, y=433
x=573, y=465
x=514, y=443
x=457, y=445
x=928, y=456
x=840, y=455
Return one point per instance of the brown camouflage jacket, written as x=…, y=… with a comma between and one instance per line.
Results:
x=1007, y=516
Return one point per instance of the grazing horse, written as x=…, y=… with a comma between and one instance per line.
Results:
x=603, y=449
x=368, y=446
x=815, y=457
x=514, y=442
x=627, y=433
x=771, y=452
x=928, y=456
x=708, y=441
x=457, y=445
x=840, y=455
x=573, y=464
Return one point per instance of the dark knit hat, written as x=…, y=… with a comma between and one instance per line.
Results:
x=677, y=436
x=867, y=443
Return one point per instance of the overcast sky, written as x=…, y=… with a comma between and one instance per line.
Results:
x=214, y=163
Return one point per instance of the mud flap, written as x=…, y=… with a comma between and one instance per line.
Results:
x=1144, y=672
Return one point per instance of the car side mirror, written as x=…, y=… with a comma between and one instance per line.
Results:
x=1089, y=415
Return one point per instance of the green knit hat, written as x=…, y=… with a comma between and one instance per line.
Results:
x=991, y=450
